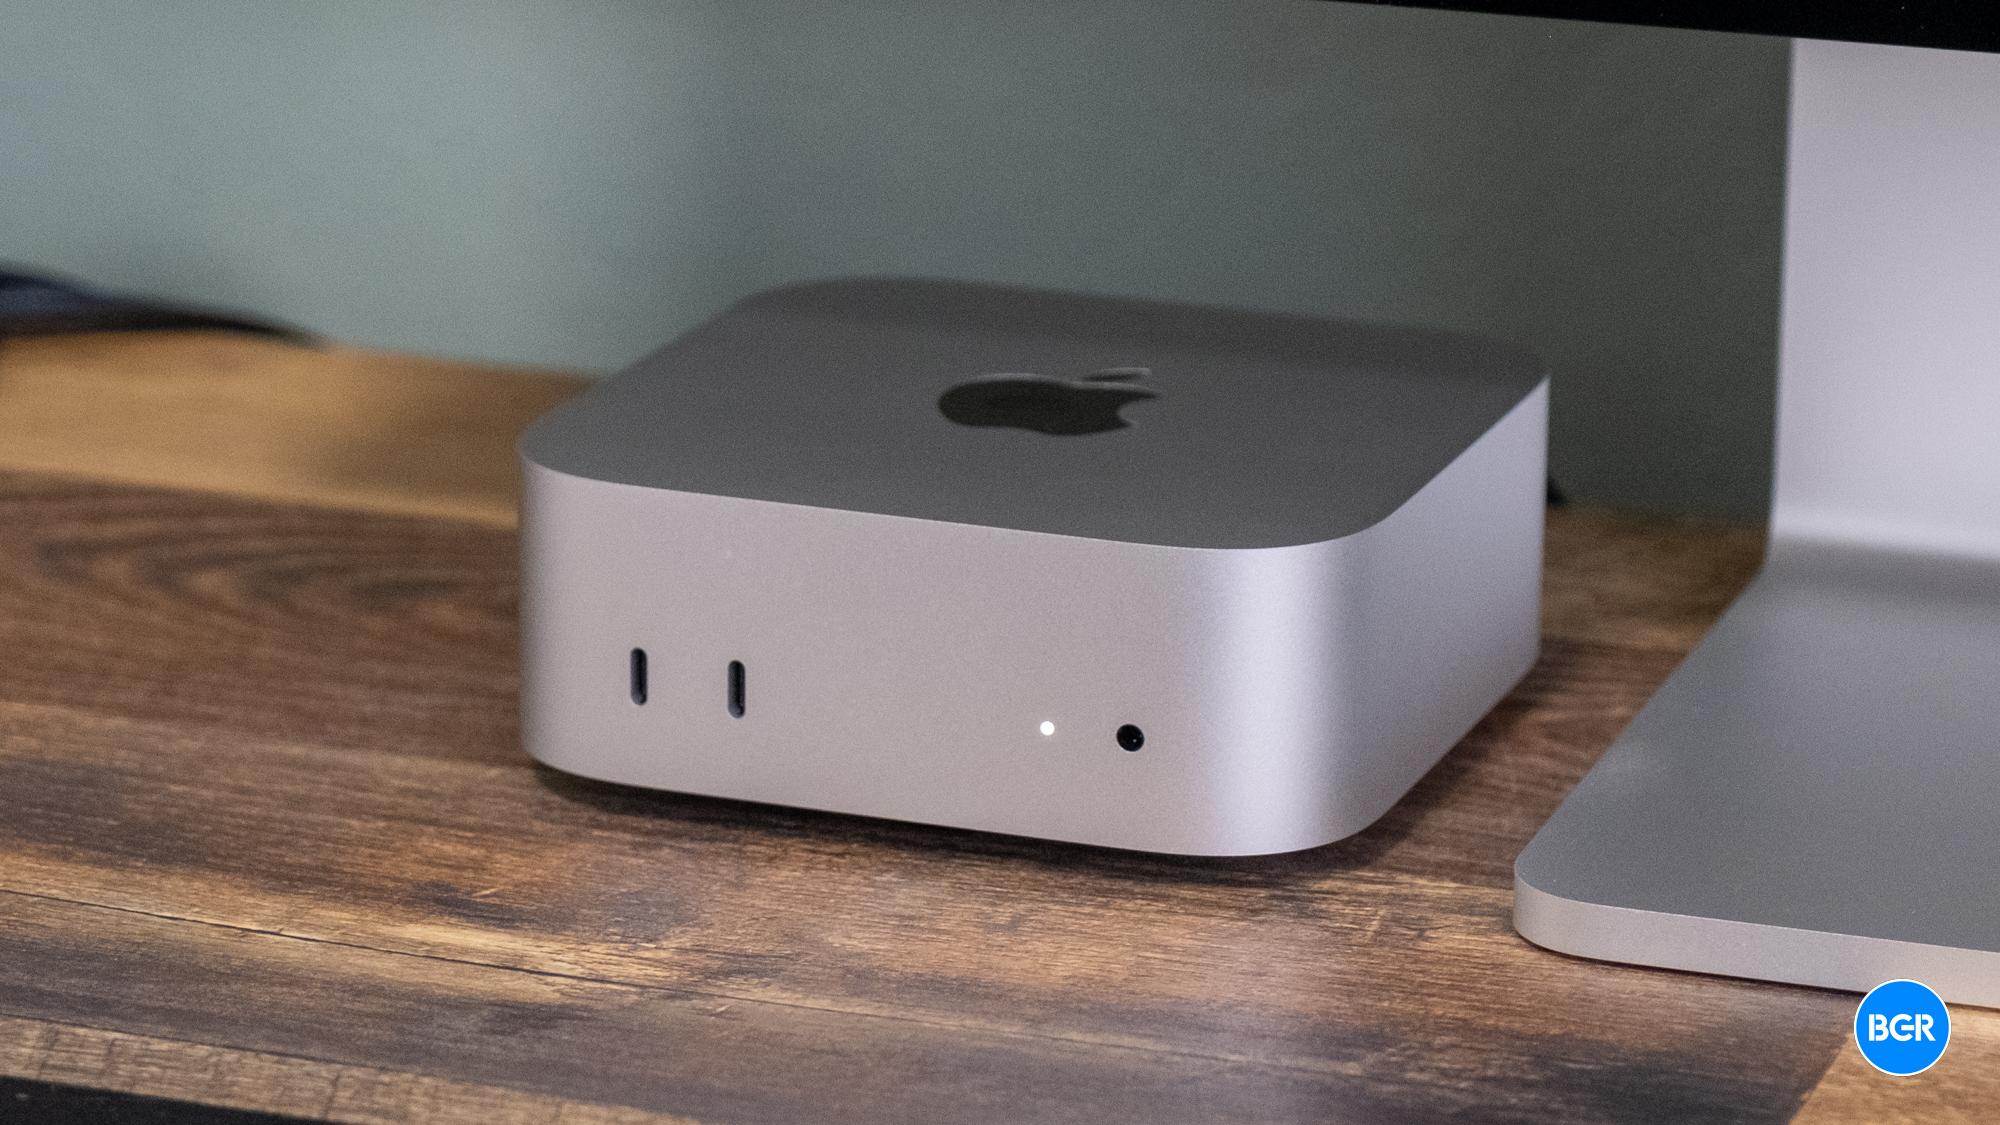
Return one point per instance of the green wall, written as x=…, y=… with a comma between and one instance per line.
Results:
x=574, y=183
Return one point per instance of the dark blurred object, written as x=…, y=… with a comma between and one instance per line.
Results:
x=31, y=305
x=1963, y=25
x=24, y=1101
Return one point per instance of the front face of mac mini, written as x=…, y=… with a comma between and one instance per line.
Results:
x=1119, y=573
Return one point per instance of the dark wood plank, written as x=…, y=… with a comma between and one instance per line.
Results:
x=208, y=1075
x=262, y=789
x=345, y=629
x=28, y=1102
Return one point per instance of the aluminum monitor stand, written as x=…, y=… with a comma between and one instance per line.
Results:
x=1814, y=796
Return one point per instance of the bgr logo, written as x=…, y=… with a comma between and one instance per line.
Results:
x=1882, y=1027
x=1901, y=1027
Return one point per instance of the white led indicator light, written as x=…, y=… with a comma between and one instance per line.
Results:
x=1048, y=727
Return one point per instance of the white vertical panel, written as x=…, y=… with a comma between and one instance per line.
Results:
x=1889, y=377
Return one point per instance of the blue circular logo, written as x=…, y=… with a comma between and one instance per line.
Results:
x=1901, y=1027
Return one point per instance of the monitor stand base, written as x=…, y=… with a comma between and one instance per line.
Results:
x=1813, y=797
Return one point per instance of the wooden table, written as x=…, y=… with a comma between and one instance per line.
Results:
x=268, y=838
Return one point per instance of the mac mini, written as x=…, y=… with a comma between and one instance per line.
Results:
x=1140, y=575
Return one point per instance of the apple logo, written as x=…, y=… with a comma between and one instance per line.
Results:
x=1047, y=405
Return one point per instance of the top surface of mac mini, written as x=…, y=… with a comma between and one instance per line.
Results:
x=1123, y=573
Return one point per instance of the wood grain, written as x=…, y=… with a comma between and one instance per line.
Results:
x=110, y=1060
x=337, y=427
x=343, y=628
x=267, y=839
x=1636, y=581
